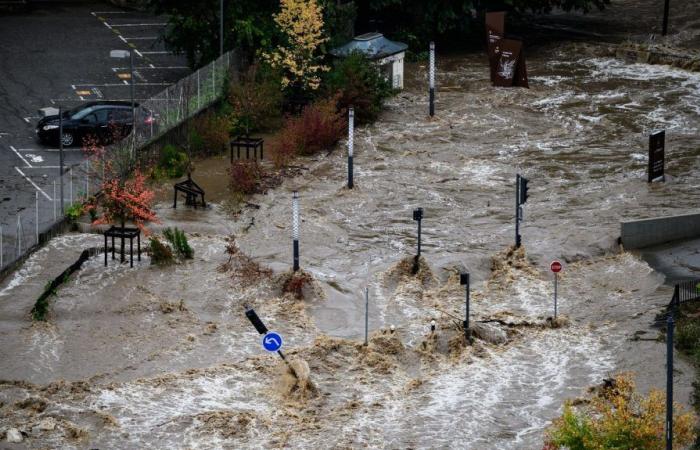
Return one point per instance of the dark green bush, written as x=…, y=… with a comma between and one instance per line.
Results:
x=255, y=101
x=359, y=84
x=172, y=164
x=178, y=240
x=160, y=253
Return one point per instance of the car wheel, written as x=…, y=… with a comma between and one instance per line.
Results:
x=68, y=139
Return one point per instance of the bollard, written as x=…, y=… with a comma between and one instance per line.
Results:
x=367, y=303
x=351, y=144
x=418, y=217
x=432, y=79
x=669, y=382
x=464, y=280
x=432, y=326
x=295, y=229
x=664, y=27
x=520, y=199
x=392, y=329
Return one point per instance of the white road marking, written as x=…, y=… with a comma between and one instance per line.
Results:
x=72, y=86
x=81, y=97
x=46, y=167
x=109, y=12
x=137, y=24
x=107, y=25
x=54, y=149
x=138, y=53
x=151, y=66
x=156, y=53
x=20, y=156
x=141, y=38
x=122, y=38
x=34, y=158
x=26, y=119
x=34, y=184
x=126, y=83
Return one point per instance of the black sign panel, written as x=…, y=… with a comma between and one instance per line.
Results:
x=495, y=29
x=507, y=62
x=657, y=144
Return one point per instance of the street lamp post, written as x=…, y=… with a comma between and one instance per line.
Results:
x=121, y=54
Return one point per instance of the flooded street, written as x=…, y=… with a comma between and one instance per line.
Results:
x=165, y=357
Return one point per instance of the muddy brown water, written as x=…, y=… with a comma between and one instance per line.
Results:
x=163, y=357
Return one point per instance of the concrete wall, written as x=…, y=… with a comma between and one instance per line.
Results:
x=648, y=232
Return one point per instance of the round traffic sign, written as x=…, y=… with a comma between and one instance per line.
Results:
x=555, y=266
x=272, y=341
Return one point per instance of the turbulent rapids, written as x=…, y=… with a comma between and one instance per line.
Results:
x=165, y=358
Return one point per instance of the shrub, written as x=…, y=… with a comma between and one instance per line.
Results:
x=74, y=211
x=688, y=335
x=213, y=130
x=256, y=100
x=619, y=417
x=245, y=176
x=359, y=84
x=319, y=127
x=172, y=164
x=160, y=253
x=178, y=240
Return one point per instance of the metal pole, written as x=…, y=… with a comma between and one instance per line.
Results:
x=664, y=29
x=295, y=229
x=19, y=236
x=351, y=145
x=467, y=330
x=133, y=102
x=198, y=99
x=36, y=215
x=432, y=79
x=71, y=186
x=2, y=250
x=221, y=28
x=213, y=80
x=419, y=236
x=669, y=382
x=556, y=279
x=60, y=153
x=54, y=200
x=517, y=213
x=87, y=180
x=367, y=303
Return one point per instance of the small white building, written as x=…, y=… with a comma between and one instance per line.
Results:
x=388, y=55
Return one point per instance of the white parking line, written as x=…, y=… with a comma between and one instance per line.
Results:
x=109, y=12
x=157, y=53
x=49, y=149
x=137, y=24
x=122, y=38
x=138, y=53
x=20, y=157
x=141, y=38
x=151, y=66
x=126, y=83
x=33, y=184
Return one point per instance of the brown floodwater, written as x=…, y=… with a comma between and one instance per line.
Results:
x=164, y=357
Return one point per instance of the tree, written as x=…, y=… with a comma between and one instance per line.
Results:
x=301, y=23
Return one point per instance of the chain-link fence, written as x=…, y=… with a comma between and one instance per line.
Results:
x=44, y=215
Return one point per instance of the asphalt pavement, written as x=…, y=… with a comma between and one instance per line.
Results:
x=58, y=54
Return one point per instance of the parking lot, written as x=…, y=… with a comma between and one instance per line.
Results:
x=58, y=54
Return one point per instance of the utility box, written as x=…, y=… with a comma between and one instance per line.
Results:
x=387, y=54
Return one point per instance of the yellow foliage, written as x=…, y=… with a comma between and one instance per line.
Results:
x=618, y=417
x=302, y=23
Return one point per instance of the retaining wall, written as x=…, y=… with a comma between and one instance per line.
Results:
x=647, y=232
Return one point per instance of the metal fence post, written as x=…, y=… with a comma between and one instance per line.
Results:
x=71, y=186
x=351, y=145
x=2, y=250
x=213, y=80
x=19, y=235
x=87, y=180
x=36, y=215
x=198, y=99
x=295, y=230
x=54, y=200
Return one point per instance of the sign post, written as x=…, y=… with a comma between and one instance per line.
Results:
x=271, y=341
x=520, y=198
x=351, y=145
x=669, y=381
x=295, y=230
x=418, y=217
x=555, y=267
x=432, y=79
x=464, y=280
x=657, y=145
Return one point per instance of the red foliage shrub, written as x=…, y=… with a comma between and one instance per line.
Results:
x=319, y=127
x=245, y=176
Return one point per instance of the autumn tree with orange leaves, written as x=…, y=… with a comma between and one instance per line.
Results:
x=124, y=194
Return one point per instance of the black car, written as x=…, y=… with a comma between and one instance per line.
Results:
x=107, y=121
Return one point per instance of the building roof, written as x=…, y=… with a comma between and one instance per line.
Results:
x=374, y=45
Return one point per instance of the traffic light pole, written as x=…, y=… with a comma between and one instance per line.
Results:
x=517, y=211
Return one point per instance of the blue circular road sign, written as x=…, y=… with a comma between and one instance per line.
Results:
x=272, y=341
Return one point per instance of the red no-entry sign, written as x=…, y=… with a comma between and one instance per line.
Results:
x=555, y=266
